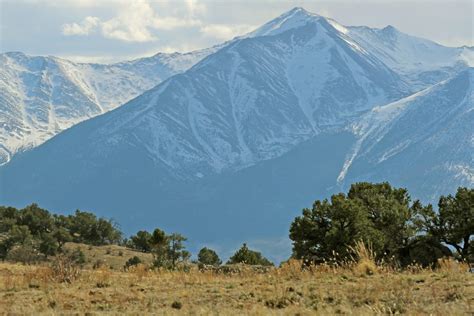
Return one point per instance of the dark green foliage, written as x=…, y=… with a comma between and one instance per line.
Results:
x=16, y=235
x=8, y=217
x=168, y=250
x=209, y=257
x=176, y=249
x=46, y=233
x=158, y=237
x=329, y=228
x=423, y=250
x=247, y=256
x=376, y=214
x=389, y=213
x=36, y=219
x=20, y=234
x=24, y=253
x=454, y=222
x=87, y=228
x=141, y=241
x=48, y=245
x=62, y=236
x=132, y=262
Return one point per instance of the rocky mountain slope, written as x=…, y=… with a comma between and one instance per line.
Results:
x=42, y=96
x=425, y=141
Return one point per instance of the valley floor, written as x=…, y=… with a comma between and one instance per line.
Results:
x=32, y=290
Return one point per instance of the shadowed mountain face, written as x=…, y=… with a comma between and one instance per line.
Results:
x=234, y=147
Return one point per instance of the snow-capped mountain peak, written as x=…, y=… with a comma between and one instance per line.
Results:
x=294, y=18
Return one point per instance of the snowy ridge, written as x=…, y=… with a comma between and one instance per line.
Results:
x=292, y=19
x=377, y=122
x=254, y=100
x=438, y=121
x=420, y=61
x=41, y=96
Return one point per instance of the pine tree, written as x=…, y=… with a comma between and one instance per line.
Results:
x=247, y=256
x=208, y=257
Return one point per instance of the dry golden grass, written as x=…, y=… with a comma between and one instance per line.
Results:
x=323, y=290
x=364, y=261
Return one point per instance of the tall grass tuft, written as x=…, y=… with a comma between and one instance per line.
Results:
x=363, y=259
x=449, y=265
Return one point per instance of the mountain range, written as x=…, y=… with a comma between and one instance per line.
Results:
x=42, y=96
x=233, y=141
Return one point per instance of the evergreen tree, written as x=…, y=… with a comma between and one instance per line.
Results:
x=176, y=249
x=48, y=245
x=37, y=220
x=454, y=222
x=86, y=228
x=209, y=257
x=247, y=256
x=62, y=236
x=142, y=241
x=168, y=251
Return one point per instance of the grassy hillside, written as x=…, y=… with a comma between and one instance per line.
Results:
x=112, y=256
x=354, y=289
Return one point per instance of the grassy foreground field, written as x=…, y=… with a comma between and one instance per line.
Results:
x=321, y=290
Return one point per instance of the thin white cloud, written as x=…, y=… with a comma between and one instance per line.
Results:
x=135, y=22
x=83, y=28
x=224, y=31
x=195, y=7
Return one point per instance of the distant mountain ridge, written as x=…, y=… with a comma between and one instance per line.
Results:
x=240, y=142
x=42, y=96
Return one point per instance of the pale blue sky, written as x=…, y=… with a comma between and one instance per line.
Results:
x=112, y=30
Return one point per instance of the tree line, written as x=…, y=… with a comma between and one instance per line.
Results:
x=35, y=230
x=400, y=231
x=33, y=233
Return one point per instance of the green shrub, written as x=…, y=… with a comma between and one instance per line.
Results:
x=133, y=261
x=24, y=254
x=78, y=256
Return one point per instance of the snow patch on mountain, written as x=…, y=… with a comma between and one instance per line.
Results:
x=420, y=61
x=42, y=96
x=255, y=99
x=378, y=122
x=438, y=119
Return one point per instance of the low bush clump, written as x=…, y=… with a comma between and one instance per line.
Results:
x=132, y=262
